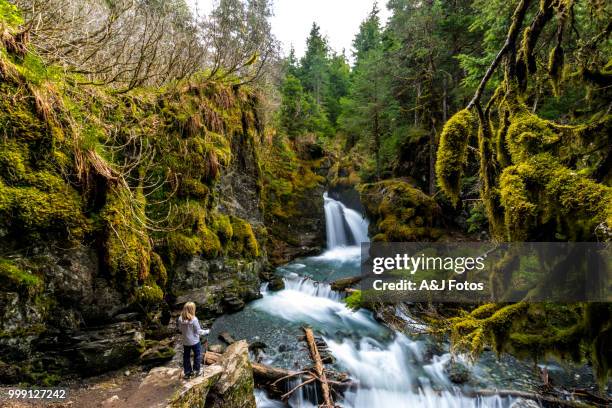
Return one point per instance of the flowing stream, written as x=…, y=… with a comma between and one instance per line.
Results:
x=391, y=369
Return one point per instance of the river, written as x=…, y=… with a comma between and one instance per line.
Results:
x=392, y=369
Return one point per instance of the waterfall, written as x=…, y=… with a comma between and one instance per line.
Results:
x=344, y=226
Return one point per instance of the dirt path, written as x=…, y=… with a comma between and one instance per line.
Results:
x=109, y=390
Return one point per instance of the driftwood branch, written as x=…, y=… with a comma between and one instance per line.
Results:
x=319, y=368
x=288, y=393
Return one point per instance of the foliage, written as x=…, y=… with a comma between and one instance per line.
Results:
x=539, y=179
x=354, y=300
x=134, y=174
x=129, y=44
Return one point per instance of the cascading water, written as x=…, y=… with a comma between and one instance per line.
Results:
x=390, y=368
x=344, y=226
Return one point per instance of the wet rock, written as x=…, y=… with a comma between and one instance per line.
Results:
x=111, y=402
x=233, y=303
x=10, y=373
x=276, y=283
x=126, y=317
x=524, y=403
x=347, y=195
x=457, y=372
x=257, y=345
x=195, y=392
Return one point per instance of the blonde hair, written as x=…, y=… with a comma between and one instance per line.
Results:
x=188, y=312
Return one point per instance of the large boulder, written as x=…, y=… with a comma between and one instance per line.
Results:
x=400, y=212
x=225, y=384
x=106, y=348
x=235, y=388
x=216, y=286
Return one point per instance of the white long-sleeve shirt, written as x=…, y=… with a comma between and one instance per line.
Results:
x=191, y=331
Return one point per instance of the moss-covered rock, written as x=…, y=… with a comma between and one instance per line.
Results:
x=235, y=387
x=15, y=277
x=399, y=212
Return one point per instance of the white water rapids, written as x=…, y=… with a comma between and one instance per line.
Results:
x=390, y=373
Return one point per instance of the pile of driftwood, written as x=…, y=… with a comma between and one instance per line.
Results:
x=277, y=380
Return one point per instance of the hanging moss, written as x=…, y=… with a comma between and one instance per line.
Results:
x=528, y=135
x=488, y=324
x=555, y=67
x=33, y=211
x=223, y=227
x=127, y=247
x=582, y=203
x=452, y=153
x=211, y=246
x=243, y=239
x=158, y=270
x=182, y=245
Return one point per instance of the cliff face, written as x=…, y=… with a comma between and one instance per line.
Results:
x=294, y=182
x=114, y=207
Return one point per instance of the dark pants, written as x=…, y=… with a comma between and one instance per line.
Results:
x=197, y=356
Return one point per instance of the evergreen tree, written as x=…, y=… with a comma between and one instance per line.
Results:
x=339, y=81
x=313, y=73
x=364, y=109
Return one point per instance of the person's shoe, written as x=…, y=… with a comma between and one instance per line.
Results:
x=188, y=376
x=197, y=373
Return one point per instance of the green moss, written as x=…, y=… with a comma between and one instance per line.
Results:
x=12, y=163
x=32, y=210
x=158, y=270
x=13, y=276
x=453, y=152
x=223, y=227
x=488, y=324
x=127, y=246
x=540, y=190
x=182, y=245
x=243, y=239
x=9, y=14
x=211, y=246
x=528, y=135
x=193, y=188
x=399, y=212
x=148, y=294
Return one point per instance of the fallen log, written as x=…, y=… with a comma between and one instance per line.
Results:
x=278, y=380
x=226, y=337
x=319, y=368
x=262, y=373
x=344, y=283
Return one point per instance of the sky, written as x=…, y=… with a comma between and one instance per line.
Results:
x=339, y=20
